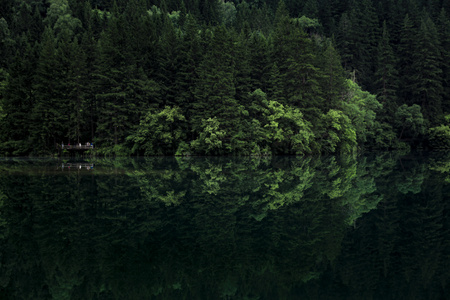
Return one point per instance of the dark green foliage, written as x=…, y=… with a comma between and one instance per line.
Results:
x=297, y=80
x=159, y=132
x=406, y=53
x=215, y=91
x=443, y=30
x=427, y=82
x=17, y=102
x=386, y=76
x=439, y=137
x=78, y=71
x=332, y=79
x=409, y=121
x=50, y=111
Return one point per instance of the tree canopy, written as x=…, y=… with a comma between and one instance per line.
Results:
x=239, y=78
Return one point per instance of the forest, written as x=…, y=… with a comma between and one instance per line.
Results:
x=216, y=77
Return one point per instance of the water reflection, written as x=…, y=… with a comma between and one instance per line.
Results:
x=196, y=228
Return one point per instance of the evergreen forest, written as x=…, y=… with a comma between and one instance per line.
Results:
x=216, y=77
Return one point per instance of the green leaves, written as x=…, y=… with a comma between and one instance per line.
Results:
x=340, y=133
x=95, y=70
x=361, y=108
x=409, y=121
x=282, y=127
x=211, y=138
x=439, y=137
x=159, y=132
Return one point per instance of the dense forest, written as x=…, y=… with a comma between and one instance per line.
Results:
x=210, y=77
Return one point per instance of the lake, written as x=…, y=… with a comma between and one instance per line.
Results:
x=369, y=227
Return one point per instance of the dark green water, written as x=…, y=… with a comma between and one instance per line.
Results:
x=375, y=227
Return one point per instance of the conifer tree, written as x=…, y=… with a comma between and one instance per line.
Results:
x=215, y=90
x=386, y=75
x=405, y=52
x=76, y=91
x=88, y=46
x=168, y=61
x=259, y=60
x=27, y=19
x=443, y=28
x=332, y=78
x=17, y=101
x=359, y=31
x=6, y=43
x=295, y=59
x=135, y=15
x=311, y=9
x=186, y=76
x=345, y=41
x=242, y=75
x=109, y=76
x=276, y=85
x=427, y=81
x=50, y=112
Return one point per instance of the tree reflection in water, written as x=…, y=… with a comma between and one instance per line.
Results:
x=204, y=228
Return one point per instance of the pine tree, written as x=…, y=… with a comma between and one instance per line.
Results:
x=50, y=112
x=209, y=11
x=311, y=9
x=295, y=59
x=135, y=16
x=76, y=92
x=443, y=28
x=369, y=40
x=124, y=91
x=427, y=85
x=259, y=60
x=17, y=102
x=386, y=75
x=332, y=77
x=276, y=85
x=168, y=61
x=215, y=90
x=109, y=79
x=242, y=75
x=27, y=19
x=358, y=28
x=186, y=76
x=345, y=41
x=6, y=43
x=405, y=53
x=88, y=45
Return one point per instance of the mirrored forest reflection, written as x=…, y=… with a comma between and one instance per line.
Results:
x=208, y=228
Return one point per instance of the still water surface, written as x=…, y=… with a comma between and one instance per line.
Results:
x=374, y=227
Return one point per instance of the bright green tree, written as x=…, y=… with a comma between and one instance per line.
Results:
x=280, y=128
x=361, y=108
x=338, y=134
x=160, y=132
